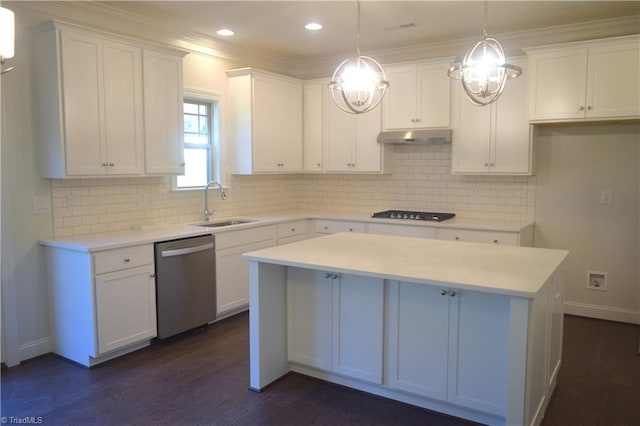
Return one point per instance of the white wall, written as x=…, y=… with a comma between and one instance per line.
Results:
x=574, y=165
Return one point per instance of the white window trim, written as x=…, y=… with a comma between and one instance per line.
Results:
x=218, y=165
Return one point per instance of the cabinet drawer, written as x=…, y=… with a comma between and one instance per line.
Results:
x=401, y=230
x=123, y=258
x=290, y=229
x=471, y=236
x=245, y=236
x=333, y=226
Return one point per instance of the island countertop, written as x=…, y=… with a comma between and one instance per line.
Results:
x=513, y=271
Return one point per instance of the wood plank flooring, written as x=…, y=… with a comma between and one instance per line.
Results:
x=202, y=378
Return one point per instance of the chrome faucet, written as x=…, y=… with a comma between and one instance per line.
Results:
x=223, y=195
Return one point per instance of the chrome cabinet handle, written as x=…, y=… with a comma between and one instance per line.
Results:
x=443, y=292
x=293, y=229
x=457, y=238
x=331, y=275
x=588, y=107
x=127, y=260
x=495, y=241
x=581, y=107
x=111, y=164
x=452, y=293
x=152, y=275
x=105, y=164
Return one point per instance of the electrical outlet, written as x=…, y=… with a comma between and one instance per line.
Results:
x=597, y=280
x=606, y=196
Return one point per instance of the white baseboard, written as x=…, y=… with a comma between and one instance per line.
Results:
x=602, y=312
x=35, y=348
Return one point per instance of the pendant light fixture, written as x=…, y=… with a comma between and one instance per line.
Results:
x=358, y=84
x=484, y=70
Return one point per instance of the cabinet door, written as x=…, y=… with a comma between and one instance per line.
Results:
x=557, y=82
x=478, y=350
x=312, y=126
x=511, y=147
x=123, y=108
x=358, y=304
x=309, y=317
x=232, y=277
x=163, y=117
x=471, y=135
x=418, y=334
x=277, y=125
x=400, y=101
x=339, y=134
x=434, y=86
x=613, y=86
x=126, y=307
x=83, y=90
x=367, y=152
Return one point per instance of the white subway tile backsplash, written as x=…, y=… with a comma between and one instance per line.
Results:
x=422, y=181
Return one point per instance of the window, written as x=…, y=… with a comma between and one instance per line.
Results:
x=200, y=135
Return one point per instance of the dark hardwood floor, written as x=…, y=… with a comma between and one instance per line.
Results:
x=202, y=379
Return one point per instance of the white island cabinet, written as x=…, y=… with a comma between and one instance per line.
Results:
x=470, y=330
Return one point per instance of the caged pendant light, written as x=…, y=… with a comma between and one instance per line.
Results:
x=7, y=37
x=484, y=69
x=358, y=84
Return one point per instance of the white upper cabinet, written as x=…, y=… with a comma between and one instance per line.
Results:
x=312, y=125
x=163, y=115
x=494, y=139
x=91, y=103
x=265, y=122
x=350, y=141
x=418, y=95
x=585, y=81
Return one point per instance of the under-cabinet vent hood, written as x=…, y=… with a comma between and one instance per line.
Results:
x=415, y=136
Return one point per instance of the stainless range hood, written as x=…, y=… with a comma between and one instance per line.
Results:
x=415, y=136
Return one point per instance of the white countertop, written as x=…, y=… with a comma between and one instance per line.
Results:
x=156, y=233
x=514, y=271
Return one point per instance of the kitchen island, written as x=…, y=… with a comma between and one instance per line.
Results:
x=470, y=330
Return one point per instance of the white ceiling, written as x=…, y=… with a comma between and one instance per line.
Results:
x=276, y=28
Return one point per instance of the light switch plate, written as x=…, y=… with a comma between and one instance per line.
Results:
x=606, y=196
x=41, y=205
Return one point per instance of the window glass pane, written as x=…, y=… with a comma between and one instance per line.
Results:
x=195, y=138
x=190, y=108
x=196, y=168
x=191, y=123
x=204, y=124
x=203, y=109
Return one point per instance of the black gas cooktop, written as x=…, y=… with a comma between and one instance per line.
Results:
x=411, y=215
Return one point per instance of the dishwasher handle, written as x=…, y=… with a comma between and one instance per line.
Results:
x=187, y=250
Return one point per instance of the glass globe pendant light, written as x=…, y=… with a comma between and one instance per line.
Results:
x=484, y=69
x=358, y=84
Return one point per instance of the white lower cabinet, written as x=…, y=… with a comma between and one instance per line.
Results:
x=401, y=230
x=449, y=345
x=335, y=323
x=476, y=236
x=291, y=232
x=126, y=307
x=102, y=305
x=324, y=226
x=232, y=272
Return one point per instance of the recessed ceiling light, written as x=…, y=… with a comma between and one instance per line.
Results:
x=225, y=32
x=313, y=26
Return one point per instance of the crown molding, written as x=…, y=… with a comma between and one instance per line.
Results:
x=107, y=18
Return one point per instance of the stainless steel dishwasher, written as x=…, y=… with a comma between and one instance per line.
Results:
x=185, y=284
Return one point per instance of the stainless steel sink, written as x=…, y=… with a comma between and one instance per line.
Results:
x=225, y=223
